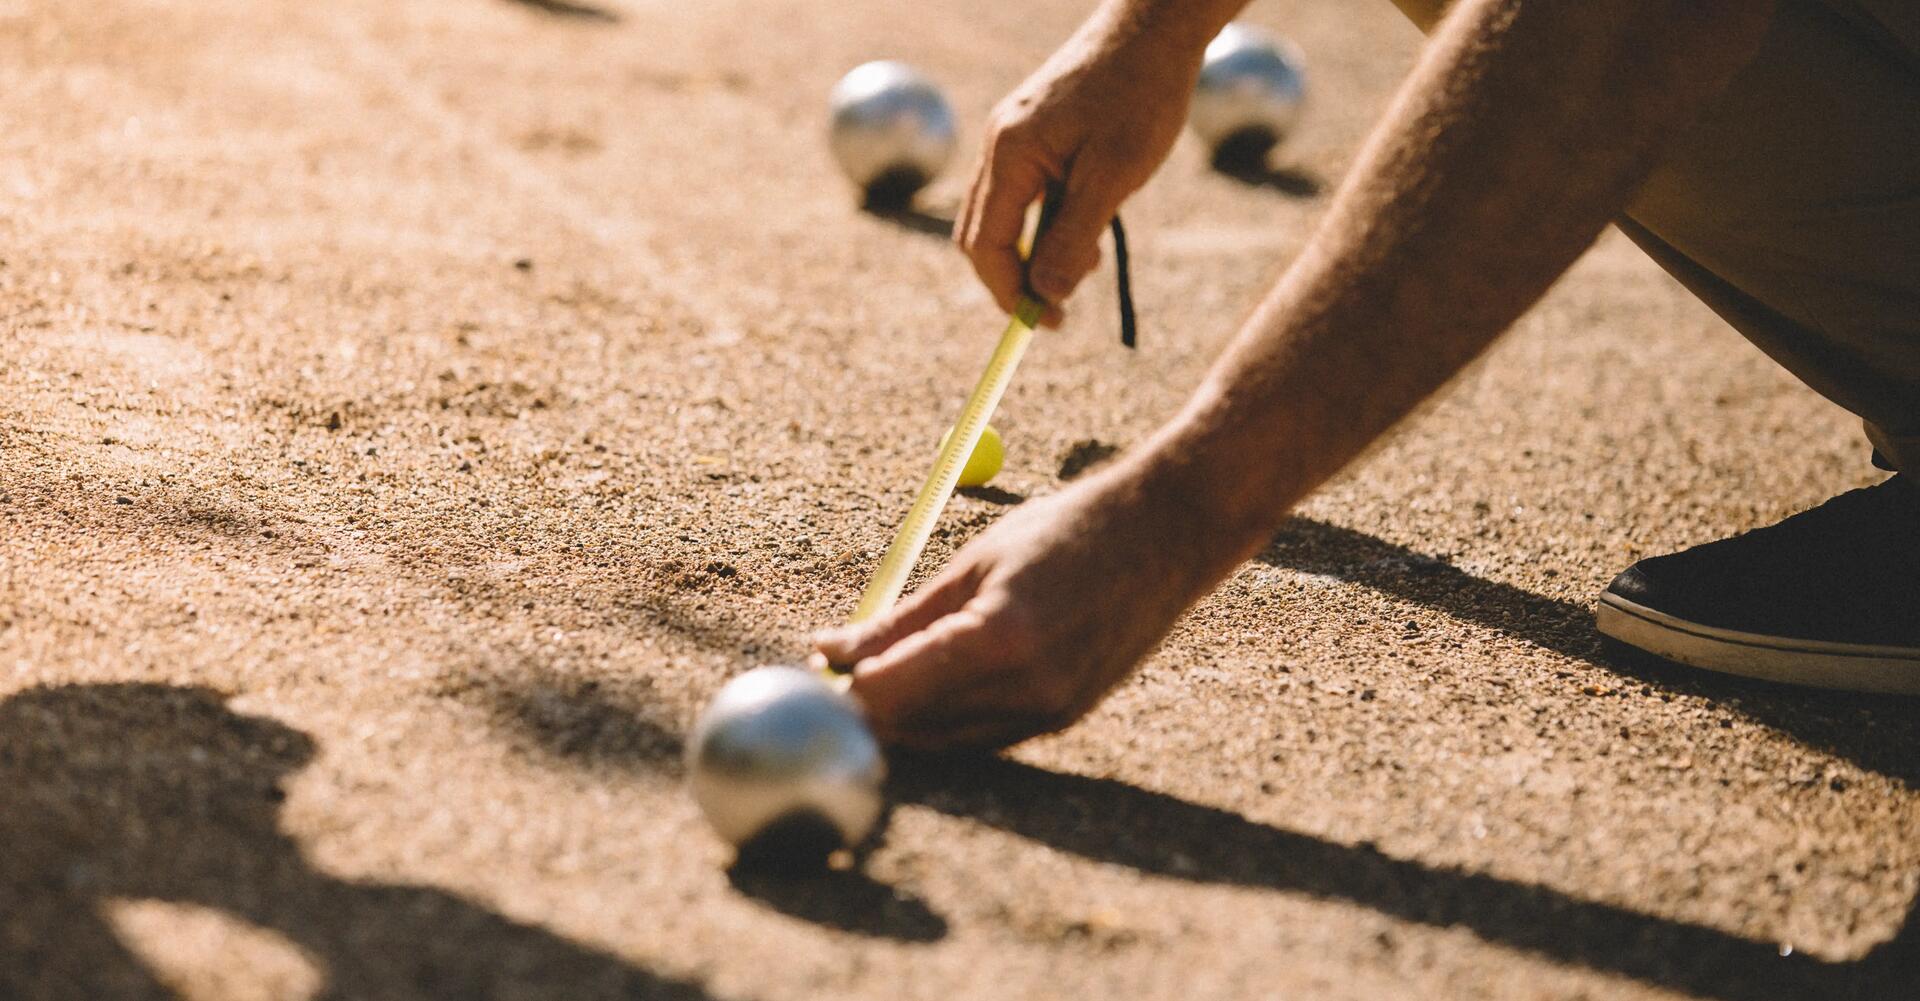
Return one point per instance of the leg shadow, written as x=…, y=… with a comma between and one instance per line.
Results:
x=141, y=791
x=1111, y=822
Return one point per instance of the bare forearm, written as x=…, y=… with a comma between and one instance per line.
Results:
x=1524, y=129
x=1182, y=27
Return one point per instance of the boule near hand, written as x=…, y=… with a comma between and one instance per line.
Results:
x=785, y=768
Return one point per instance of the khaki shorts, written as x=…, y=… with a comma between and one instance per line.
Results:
x=1792, y=206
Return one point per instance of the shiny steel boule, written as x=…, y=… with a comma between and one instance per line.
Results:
x=1249, y=94
x=891, y=131
x=784, y=767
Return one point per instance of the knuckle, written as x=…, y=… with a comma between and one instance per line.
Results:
x=1014, y=139
x=1011, y=113
x=970, y=626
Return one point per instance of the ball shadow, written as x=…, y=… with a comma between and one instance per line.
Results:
x=1084, y=456
x=911, y=219
x=993, y=495
x=570, y=10
x=1246, y=160
x=843, y=899
x=581, y=723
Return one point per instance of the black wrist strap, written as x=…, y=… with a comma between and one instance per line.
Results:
x=1128, y=327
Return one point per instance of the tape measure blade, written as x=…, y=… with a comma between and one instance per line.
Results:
x=890, y=578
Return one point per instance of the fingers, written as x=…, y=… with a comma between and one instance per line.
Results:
x=953, y=685
x=994, y=216
x=1009, y=180
x=1069, y=250
x=854, y=643
x=925, y=669
x=963, y=223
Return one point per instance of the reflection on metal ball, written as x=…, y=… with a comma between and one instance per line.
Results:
x=1249, y=94
x=784, y=767
x=892, y=131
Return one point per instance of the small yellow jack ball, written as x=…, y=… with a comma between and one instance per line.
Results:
x=984, y=464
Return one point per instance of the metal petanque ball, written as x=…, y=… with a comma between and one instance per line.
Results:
x=892, y=131
x=1249, y=94
x=785, y=769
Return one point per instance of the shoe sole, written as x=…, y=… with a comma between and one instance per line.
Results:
x=1810, y=663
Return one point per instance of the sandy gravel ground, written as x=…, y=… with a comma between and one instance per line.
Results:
x=411, y=412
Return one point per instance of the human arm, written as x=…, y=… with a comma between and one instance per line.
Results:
x=1525, y=127
x=1096, y=119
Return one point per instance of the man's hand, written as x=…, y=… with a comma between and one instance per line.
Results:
x=1096, y=120
x=1525, y=128
x=1037, y=619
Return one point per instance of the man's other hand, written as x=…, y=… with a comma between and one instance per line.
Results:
x=1096, y=120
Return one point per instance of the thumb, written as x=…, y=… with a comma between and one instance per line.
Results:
x=852, y=643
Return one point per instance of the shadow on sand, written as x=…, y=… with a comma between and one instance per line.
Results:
x=993, y=495
x=148, y=791
x=1878, y=733
x=846, y=900
x=1114, y=823
x=156, y=792
x=909, y=218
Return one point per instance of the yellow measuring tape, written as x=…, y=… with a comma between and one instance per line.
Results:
x=891, y=577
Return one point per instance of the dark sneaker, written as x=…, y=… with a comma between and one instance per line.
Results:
x=1830, y=597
